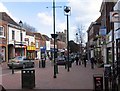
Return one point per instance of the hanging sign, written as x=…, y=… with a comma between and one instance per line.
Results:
x=102, y=31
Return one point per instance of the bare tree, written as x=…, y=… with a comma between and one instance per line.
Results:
x=29, y=27
x=80, y=37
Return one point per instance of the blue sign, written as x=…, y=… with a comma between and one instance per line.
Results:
x=102, y=31
x=43, y=49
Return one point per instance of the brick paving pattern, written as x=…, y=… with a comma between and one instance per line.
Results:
x=79, y=77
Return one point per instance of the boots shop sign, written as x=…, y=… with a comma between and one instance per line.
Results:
x=115, y=16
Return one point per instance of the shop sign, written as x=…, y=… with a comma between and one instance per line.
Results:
x=32, y=48
x=115, y=16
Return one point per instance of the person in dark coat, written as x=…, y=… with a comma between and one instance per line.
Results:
x=92, y=62
x=76, y=59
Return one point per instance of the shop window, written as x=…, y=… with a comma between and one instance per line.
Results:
x=13, y=35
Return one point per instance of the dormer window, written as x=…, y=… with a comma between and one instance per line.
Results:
x=2, y=31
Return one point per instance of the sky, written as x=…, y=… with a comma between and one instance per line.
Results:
x=36, y=14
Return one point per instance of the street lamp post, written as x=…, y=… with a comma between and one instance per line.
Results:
x=21, y=24
x=54, y=36
x=76, y=37
x=113, y=63
x=67, y=13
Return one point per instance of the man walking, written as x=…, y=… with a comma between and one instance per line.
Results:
x=92, y=62
x=77, y=59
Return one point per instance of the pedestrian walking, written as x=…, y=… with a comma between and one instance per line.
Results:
x=92, y=62
x=95, y=60
x=79, y=61
x=76, y=59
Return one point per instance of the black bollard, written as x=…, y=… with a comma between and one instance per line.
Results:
x=43, y=63
x=2, y=88
x=12, y=68
x=65, y=66
x=39, y=64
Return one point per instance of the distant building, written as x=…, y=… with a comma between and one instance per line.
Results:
x=62, y=36
x=31, y=47
x=93, y=45
x=106, y=8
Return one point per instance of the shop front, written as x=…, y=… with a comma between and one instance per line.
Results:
x=31, y=52
x=3, y=49
x=118, y=45
x=109, y=48
x=20, y=50
x=117, y=35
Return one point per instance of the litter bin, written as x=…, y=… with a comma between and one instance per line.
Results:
x=107, y=76
x=98, y=82
x=28, y=78
x=43, y=63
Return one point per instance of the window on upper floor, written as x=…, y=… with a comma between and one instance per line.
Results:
x=13, y=35
x=2, y=31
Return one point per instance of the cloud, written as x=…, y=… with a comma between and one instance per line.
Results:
x=84, y=12
x=47, y=20
x=4, y=9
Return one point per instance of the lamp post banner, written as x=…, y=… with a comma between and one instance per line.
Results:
x=102, y=31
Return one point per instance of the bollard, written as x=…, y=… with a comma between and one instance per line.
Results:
x=107, y=76
x=39, y=64
x=56, y=67
x=12, y=68
x=65, y=66
x=106, y=83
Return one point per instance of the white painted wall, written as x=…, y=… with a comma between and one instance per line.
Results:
x=17, y=35
x=47, y=45
x=31, y=39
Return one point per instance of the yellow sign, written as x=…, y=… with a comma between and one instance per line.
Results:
x=31, y=48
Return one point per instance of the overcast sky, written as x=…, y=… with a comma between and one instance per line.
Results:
x=35, y=13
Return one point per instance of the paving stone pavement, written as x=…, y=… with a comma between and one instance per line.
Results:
x=78, y=77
